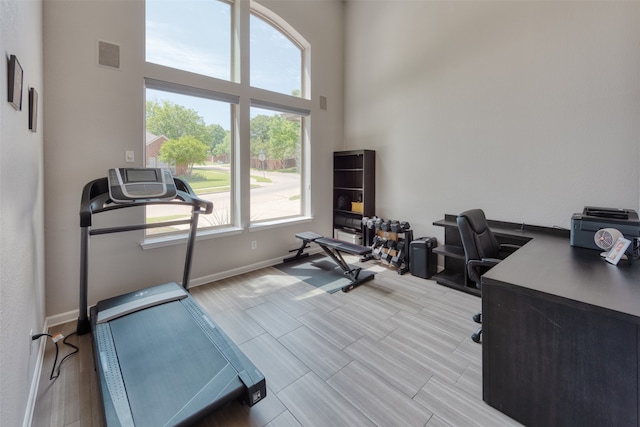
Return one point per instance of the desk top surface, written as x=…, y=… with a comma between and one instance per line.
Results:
x=549, y=264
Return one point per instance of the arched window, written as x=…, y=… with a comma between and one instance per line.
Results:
x=195, y=119
x=276, y=58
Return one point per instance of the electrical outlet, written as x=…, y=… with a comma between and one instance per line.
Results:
x=129, y=156
x=254, y=244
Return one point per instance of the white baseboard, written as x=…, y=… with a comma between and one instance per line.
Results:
x=59, y=319
x=234, y=272
x=35, y=381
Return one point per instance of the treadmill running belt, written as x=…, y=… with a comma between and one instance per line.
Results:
x=164, y=372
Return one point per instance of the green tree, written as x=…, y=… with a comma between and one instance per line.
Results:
x=259, y=130
x=223, y=148
x=218, y=134
x=174, y=121
x=284, y=136
x=186, y=150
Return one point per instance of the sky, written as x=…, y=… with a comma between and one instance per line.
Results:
x=195, y=36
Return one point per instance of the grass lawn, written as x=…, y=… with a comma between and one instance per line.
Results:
x=205, y=181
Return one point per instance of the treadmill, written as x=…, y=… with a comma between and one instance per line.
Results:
x=160, y=359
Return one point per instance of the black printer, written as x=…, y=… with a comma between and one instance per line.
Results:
x=592, y=219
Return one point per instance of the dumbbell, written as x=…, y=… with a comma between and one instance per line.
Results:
x=398, y=259
x=391, y=245
x=380, y=245
x=369, y=222
x=400, y=226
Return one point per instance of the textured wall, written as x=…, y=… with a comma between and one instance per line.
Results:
x=21, y=212
x=528, y=110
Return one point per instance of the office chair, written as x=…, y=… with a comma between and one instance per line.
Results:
x=482, y=251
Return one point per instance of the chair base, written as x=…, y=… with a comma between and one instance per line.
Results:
x=477, y=317
x=477, y=337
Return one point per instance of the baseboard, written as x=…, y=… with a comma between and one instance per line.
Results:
x=234, y=272
x=59, y=319
x=35, y=381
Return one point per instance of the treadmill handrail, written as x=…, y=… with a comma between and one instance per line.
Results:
x=95, y=199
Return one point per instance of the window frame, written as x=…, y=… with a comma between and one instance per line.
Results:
x=239, y=89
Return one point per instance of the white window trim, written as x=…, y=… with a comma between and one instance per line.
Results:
x=244, y=96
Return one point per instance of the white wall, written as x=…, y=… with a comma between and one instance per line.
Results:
x=94, y=114
x=529, y=110
x=21, y=212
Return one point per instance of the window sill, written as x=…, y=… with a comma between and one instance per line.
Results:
x=176, y=239
x=259, y=226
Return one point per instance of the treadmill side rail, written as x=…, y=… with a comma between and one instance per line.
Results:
x=117, y=411
x=253, y=380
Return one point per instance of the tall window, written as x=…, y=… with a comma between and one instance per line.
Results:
x=191, y=136
x=194, y=111
x=275, y=164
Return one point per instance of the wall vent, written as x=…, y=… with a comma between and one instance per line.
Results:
x=108, y=54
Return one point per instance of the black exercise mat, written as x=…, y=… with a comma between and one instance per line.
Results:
x=317, y=270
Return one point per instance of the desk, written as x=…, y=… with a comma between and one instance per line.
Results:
x=560, y=336
x=454, y=273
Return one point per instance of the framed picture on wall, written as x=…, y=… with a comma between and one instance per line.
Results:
x=15, y=83
x=33, y=110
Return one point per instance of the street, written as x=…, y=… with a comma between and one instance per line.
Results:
x=268, y=200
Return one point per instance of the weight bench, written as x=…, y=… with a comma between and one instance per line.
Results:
x=307, y=237
x=334, y=248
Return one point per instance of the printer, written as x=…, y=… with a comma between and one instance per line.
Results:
x=592, y=219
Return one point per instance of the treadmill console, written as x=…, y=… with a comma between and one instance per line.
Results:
x=130, y=184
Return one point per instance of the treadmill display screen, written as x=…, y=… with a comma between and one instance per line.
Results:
x=127, y=184
x=141, y=175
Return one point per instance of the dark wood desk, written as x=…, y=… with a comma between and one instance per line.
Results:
x=560, y=336
x=454, y=273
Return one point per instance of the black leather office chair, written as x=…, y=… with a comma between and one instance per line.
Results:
x=482, y=250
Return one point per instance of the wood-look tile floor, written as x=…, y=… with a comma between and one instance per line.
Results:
x=395, y=351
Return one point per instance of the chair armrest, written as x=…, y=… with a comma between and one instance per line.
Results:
x=510, y=246
x=484, y=262
x=507, y=249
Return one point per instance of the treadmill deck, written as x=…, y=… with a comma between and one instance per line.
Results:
x=168, y=364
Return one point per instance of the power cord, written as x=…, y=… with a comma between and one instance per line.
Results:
x=55, y=338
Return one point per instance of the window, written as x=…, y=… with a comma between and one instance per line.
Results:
x=191, y=36
x=191, y=136
x=276, y=184
x=195, y=114
x=276, y=60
